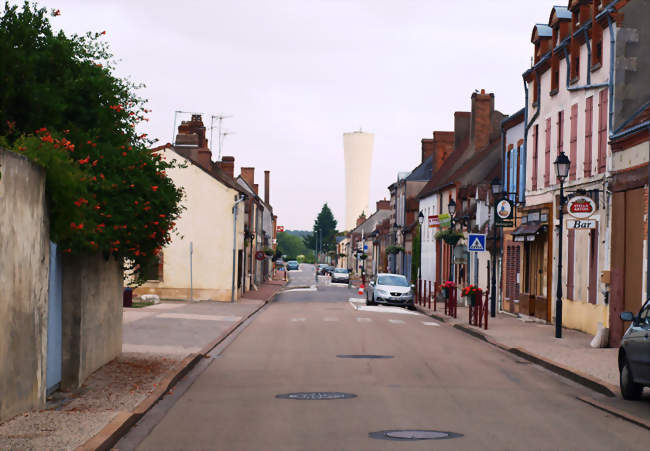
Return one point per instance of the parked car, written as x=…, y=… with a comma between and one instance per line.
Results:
x=390, y=289
x=340, y=275
x=293, y=265
x=634, y=354
x=322, y=268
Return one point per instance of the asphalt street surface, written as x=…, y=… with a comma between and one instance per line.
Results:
x=431, y=378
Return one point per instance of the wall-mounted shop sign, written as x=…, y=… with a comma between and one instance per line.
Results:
x=444, y=220
x=434, y=222
x=582, y=224
x=581, y=207
x=504, y=213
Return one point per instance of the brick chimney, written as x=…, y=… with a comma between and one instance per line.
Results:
x=383, y=205
x=256, y=188
x=227, y=165
x=204, y=157
x=248, y=174
x=192, y=132
x=482, y=109
x=361, y=219
x=427, y=148
x=443, y=146
x=462, y=121
x=267, y=185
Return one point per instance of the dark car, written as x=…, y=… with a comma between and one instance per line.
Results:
x=293, y=265
x=634, y=354
x=322, y=268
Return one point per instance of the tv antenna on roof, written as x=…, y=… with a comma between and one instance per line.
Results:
x=223, y=138
x=219, y=118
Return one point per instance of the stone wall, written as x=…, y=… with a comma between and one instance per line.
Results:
x=92, y=316
x=24, y=266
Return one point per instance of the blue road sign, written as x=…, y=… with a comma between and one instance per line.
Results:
x=476, y=242
x=365, y=247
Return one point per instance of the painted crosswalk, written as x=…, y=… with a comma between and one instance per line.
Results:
x=360, y=319
x=396, y=321
x=430, y=323
x=364, y=320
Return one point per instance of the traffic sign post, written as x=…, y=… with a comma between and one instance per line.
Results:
x=476, y=242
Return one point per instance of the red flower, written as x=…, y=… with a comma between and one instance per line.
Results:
x=154, y=188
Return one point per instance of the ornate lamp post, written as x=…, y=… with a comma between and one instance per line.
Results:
x=497, y=191
x=451, y=208
x=394, y=256
x=562, y=164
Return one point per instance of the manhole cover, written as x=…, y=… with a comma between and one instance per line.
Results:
x=413, y=434
x=316, y=395
x=364, y=356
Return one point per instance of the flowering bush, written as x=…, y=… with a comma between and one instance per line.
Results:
x=63, y=108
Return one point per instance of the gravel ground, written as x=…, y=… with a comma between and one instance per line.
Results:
x=71, y=418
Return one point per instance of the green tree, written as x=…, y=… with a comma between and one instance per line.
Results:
x=62, y=106
x=324, y=229
x=417, y=254
x=291, y=245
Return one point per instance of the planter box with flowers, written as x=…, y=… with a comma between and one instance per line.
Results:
x=473, y=294
x=445, y=289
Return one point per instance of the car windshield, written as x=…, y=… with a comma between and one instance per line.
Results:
x=293, y=262
x=341, y=270
x=394, y=280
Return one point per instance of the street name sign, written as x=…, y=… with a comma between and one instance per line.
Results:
x=476, y=242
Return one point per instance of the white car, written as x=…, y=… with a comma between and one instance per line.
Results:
x=390, y=289
x=340, y=275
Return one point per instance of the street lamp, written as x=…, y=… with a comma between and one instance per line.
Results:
x=497, y=191
x=562, y=164
x=451, y=208
x=394, y=256
x=420, y=218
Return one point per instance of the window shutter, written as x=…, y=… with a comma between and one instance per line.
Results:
x=534, y=174
x=573, y=146
x=589, y=122
x=522, y=174
x=602, y=131
x=547, y=152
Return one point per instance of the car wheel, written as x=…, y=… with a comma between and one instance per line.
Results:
x=629, y=389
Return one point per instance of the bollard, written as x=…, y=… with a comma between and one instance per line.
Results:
x=429, y=296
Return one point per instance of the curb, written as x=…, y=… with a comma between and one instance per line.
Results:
x=110, y=434
x=616, y=412
x=569, y=373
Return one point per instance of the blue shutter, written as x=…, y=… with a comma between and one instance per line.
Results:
x=513, y=173
x=522, y=174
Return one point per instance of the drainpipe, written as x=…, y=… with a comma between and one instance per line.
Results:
x=235, y=209
x=612, y=50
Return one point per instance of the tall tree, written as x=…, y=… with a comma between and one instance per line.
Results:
x=324, y=230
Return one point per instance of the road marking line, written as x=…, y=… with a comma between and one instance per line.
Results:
x=295, y=320
x=430, y=323
x=312, y=288
x=364, y=320
x=385, y=309
x=396, y=321
x=330, y=318
x=231, y=319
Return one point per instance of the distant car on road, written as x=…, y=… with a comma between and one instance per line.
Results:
x=293, y=265
x=322, y=268
x=330, y=269
x=634, y=354
x=340, y=275
x=390, y=289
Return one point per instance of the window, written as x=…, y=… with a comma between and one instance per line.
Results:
x=555, y=73
x=596, y=46
x=154, y=271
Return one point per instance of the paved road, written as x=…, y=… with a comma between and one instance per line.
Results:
x=437, y=379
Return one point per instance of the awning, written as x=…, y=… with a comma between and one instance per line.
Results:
x=529, y=231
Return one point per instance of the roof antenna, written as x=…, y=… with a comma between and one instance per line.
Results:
x=220, y=118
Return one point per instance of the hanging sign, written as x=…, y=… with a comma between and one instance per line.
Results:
x=582, y=224
x=581, y=207
x=280, y=228
x=476, y=242
x=434, y=222
x=504, y=213
x=444, y=220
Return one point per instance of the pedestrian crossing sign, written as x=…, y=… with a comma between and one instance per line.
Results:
x=476, y=242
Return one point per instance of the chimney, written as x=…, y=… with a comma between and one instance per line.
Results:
x=461, y=128
x=256, y=188
x=482, y=109
x=427, y=148
x=204, y=158
x=192, y=132
x=361, y=219
x=248, y=174
x=383, y=205
x=443, y=146
x=267, y=183
x=227, y=165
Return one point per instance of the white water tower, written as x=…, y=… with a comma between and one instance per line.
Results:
x=357, y=149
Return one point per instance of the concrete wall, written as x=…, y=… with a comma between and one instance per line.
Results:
x=24, y=263
x=207, y=223
x=357, y=152
x=92, y=316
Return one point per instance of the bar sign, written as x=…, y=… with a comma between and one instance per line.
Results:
x=581, y=224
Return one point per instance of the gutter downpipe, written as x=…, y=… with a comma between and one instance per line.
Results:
x=612, y=62
x=234, y=243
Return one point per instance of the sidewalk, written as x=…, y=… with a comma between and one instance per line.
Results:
x=570, y=356
x=160, y=344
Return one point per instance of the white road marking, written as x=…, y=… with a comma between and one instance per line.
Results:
x=337, y=284
x=386, y=309
x=430, y=323
x=396, y=321
x=164, y=306
x=312, y=288
x=364, y=320
x=330, y=318
x=231, y=319
x=296, y=320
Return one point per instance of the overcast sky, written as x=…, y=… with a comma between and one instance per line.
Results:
x=296, y=74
